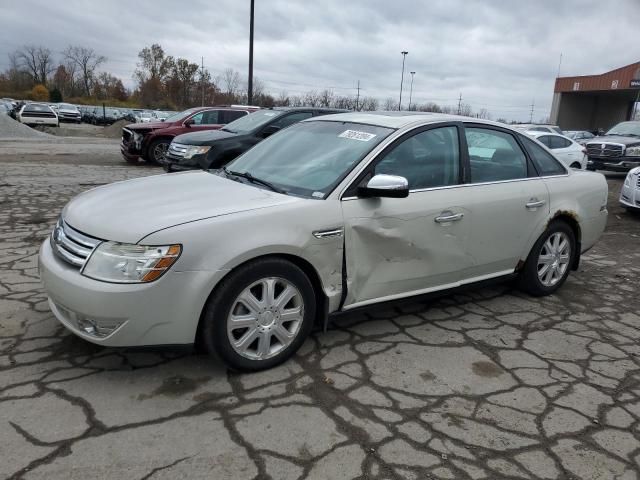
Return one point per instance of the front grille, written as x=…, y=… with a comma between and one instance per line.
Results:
x=72, y=246
x=177, y=150
x=604, y=150
x=638, y=181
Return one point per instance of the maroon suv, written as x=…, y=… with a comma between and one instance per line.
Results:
x=150, y=141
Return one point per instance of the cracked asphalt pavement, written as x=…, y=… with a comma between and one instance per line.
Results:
x=489, y=383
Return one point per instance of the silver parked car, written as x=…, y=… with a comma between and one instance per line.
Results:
x=334, y=213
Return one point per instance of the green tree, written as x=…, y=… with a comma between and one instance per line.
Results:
x=55, y=95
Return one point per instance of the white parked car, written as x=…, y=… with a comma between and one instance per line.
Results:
x=333, y=213
x=568, y=151
x=69, y=113
x=146, y=117
x=630, y=193
x=536, y=127
x=38, y=114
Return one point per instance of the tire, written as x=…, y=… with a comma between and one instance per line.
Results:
x=537, y=281
x=157, y=149
x=576, y=166
x=263, y=341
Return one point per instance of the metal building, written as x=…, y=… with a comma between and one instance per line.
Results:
x=593, y=102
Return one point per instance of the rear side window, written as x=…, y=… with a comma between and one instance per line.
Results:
x=545, y=163
x=231, y=115
x=545, y=140
x=559, y=142
x=494, y=156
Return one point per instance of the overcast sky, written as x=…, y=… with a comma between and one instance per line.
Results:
x=501, y=55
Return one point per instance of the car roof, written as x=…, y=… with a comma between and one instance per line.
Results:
x=400, y=119
x=537, y=133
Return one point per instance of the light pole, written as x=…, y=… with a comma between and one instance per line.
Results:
x=404, y=55
x=411, y=89
x=250, y=82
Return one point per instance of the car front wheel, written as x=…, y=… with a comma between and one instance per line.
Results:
x=158, y=149
x=259, y=315
x=549, y=261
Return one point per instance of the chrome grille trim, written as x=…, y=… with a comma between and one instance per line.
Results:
x=602, y=149
x=71, y=245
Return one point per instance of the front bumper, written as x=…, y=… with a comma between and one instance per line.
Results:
x=163, y=312
x=617, y=164
x=630, y=194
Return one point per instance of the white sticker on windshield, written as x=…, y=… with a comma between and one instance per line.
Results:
x=269, y=114
x=357, y=135
x=317, y=195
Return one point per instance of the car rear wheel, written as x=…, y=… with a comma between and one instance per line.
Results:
x=549, y=261
x=158, y=149
x=259, y=315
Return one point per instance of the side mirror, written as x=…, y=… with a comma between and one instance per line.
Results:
x=269, y=130
x=189, y=122
x=391, y=186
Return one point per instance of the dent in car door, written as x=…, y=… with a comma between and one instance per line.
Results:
x=400, y=246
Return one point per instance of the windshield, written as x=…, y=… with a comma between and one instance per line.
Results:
x=253, y=120
x=626, y=128
x=180, y=115
x=310, y=158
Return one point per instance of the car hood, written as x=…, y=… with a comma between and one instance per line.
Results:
x=615, y=139
x=129, y=211
x=207, y=137
x=149, y=125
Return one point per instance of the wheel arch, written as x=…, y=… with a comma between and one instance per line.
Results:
x=571, y=218
x=322, y=301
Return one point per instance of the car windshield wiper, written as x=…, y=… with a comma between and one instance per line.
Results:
x=224, y=129
x=253, y=179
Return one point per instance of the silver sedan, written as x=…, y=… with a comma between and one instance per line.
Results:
x=328, y=215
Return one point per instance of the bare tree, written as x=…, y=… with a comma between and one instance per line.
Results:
x=326, y=98
x=283, y=99
x=87, y=61
x=390, y=104
x=37, y=61
x=368, y=104
x=230, y=82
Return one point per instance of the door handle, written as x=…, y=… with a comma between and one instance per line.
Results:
x=447, y=217
x=535, y=203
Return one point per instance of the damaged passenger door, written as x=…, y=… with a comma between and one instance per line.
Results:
x=398, y=247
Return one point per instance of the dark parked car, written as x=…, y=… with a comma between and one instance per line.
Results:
x=618, y=150
x=215, y=149
x=151, y=140
x=106, y=116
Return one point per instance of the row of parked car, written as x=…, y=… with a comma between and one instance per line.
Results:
x=52, y=114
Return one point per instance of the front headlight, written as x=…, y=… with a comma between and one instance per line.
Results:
x=627, y=180
x=633, y=151
x=196, y=150
x=127, y=263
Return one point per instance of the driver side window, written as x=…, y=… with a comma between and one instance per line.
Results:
x=427, y=159
x=197, y=118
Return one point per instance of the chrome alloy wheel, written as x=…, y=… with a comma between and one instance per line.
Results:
x=265, y=318
x=554, y=259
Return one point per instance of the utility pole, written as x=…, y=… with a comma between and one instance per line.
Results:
x=250, y=83
x=559, y=65
x=459, y=103
x=404, y=55
x=531, y=114
x=358, y=96
x=411, y=90
x=202, y=81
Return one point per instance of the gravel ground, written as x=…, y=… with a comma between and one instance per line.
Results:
x=487, y=384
